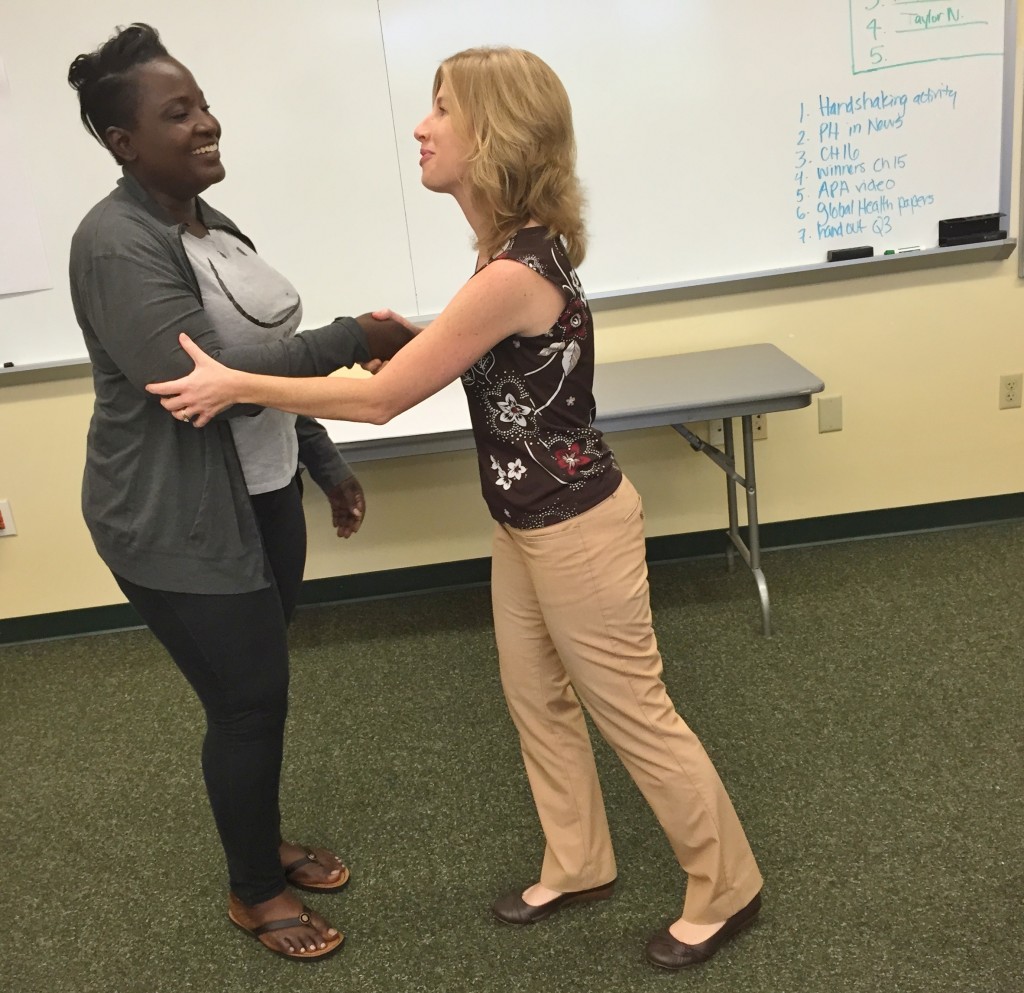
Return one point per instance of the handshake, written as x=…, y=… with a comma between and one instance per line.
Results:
x=385, y=334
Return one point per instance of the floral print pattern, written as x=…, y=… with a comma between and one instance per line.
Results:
x=512, y=410
x=573, y=320
x=532, y=407
x=571, y=458
x=514, y=470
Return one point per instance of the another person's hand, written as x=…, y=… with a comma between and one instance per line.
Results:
x=384, y=314
x=203, y=393
x=386, y=332
x=348, y=507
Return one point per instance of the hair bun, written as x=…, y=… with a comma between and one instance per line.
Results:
x=83, y=71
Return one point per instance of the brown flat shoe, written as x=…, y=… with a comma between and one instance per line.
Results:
x=668, y=952
x=513, y=909
x=292, y=869
x=332, y=944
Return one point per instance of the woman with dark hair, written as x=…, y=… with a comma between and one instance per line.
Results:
x=569, y=579
x=204, y=531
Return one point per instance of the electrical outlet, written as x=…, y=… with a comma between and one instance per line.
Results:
x=716, y=433
x=830, y=414
x=1009, y=390
x=759, y=423
x=6, y=519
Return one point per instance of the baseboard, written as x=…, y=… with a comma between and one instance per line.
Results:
x=476, y=572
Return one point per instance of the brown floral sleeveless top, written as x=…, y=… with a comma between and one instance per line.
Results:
x=531, y=404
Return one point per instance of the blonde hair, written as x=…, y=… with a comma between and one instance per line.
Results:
x=516, y=114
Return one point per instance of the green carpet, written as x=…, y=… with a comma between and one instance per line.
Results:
x=872, y=747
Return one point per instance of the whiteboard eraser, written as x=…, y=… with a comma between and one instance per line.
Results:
x=842, y=254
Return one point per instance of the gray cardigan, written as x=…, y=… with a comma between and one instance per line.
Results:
x=166, y=503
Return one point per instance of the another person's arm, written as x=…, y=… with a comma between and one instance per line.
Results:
x=503, y=299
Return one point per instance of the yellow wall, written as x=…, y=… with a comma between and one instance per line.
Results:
x=916, y=357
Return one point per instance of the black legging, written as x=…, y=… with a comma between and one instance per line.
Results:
x=233, y=649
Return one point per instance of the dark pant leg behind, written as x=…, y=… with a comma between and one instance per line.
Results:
x=283, y=526
x=233, y=650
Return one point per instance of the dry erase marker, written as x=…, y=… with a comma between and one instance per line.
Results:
x=900, y=251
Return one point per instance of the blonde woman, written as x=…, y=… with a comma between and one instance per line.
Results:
x=569, y=579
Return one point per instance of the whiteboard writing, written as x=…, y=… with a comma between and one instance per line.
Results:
x=885, y=34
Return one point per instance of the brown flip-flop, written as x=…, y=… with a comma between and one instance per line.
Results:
x=333, y=944
x=309, y=857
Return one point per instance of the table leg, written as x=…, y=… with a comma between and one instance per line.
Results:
x=731, y=481
x=754, y=539
x=726, y=461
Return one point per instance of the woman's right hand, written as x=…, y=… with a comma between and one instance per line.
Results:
x=384, y=314
x=203, y=393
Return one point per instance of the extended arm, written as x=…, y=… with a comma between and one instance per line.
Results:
x=503, y=299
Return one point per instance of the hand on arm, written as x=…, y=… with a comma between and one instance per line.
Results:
x=204, y=392
x=139, y=322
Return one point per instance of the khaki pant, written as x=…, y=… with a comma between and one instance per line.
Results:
x=572, y=620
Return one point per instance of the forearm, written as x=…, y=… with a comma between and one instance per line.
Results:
x=320, y=455
x=335, y=397
x=315, y=352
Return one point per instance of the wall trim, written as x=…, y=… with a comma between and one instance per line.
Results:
x=476, y=572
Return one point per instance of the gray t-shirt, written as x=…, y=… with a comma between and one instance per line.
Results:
x=250, y=303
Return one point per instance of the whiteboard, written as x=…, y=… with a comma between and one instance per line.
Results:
x=716, y=141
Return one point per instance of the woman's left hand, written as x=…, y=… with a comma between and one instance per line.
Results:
x=348, y=507
x=200, y=395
